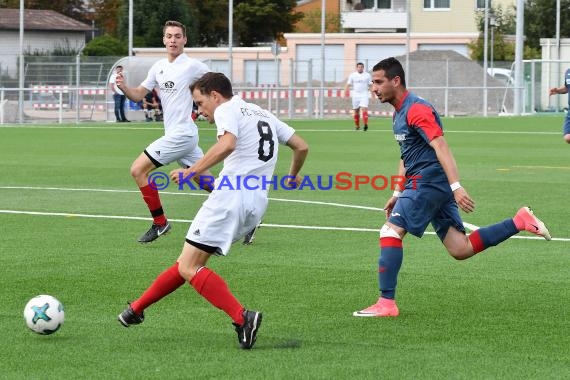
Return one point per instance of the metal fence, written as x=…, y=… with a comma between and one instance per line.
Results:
x=74, y=89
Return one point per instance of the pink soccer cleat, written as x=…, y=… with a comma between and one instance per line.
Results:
x=383, y=308
x=525, y=220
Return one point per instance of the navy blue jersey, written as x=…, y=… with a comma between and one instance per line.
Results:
x=567, y=83
x=416, y=123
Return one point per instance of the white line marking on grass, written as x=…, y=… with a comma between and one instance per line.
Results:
x=467, y=225
x=78, y=127
x=109, y=127
x=202, y=194
x=541, y=167
x=292, y=226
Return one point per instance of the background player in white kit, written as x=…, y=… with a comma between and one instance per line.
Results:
x=248, y=144
x=360, y=81
x=173, y=76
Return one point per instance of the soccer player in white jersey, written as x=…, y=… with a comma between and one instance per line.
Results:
x=172, y=76
x=360, y=81
x=248, y=144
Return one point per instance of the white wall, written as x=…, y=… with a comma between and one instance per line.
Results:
x=33, y=40
x=372, y=54
x=334, y=62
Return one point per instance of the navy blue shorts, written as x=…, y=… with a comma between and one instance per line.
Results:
x=429, y=202
x=566, y=126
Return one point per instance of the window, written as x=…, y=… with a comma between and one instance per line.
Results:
x=480, y=4
x=437, y=4
x=376, y=4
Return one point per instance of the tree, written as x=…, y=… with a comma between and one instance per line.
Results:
x=209, y=22
x=149, y=17
x=105, y=46
x=263, y=20
x=105, y=14
x=254, y=21
x=540, y=20
x=312, y=21
x=505, y=25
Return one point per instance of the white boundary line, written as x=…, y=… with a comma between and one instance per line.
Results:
x=299, y=130
x=202, y=194
x=467, y=225
x=188, y=221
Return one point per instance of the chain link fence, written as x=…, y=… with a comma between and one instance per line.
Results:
x=75, y=89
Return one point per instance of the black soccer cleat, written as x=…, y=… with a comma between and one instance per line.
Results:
x=155, y=231
x=129, y=317
x=247, y=333
x=250, y=236
x=365, y=127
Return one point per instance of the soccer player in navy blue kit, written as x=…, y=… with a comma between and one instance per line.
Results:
x=564, y=89
x=433, y=195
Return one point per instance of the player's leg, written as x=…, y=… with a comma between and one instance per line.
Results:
x=250, y=236
x=365, y=117
x=123, y=98
x=253, y=221
x=117, y=101
x=140, y=170
x=364, y=108
x=192, y=267
x=389, y=263
x=412, y=213
x=147, y=113
x=356, y=118
x=160, y=152
x=462, y=246
x=566, y=128
x=214, y=289
x=356, y=112
x=167, y=282
x=217, y=225
x=204, y=180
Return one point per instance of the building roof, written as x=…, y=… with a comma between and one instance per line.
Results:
x=39, y=20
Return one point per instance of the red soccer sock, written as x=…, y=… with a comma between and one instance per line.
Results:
x=214, y=289
x=167, y=282
x=476, y=241
x=365, y=117
x=357, y=119
x=152, y=200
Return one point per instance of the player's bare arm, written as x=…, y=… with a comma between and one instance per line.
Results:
x=225, y=145
x=447, y=161
x=558, y=90
x=136, y=94
x=300, y=150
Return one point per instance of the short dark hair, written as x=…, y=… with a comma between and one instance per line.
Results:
x=360, y=63
x=118, y=67
x=213, y=82
x=174, y=23
x=393, y=68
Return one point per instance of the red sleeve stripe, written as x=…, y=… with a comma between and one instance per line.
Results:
x=422, y=116
x=390, y=242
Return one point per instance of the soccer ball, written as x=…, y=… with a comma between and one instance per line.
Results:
x=44, y=314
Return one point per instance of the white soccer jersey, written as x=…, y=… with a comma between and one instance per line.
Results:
x=113, y=81
x=258, y=133
x=173, y=80
x=360, y=82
